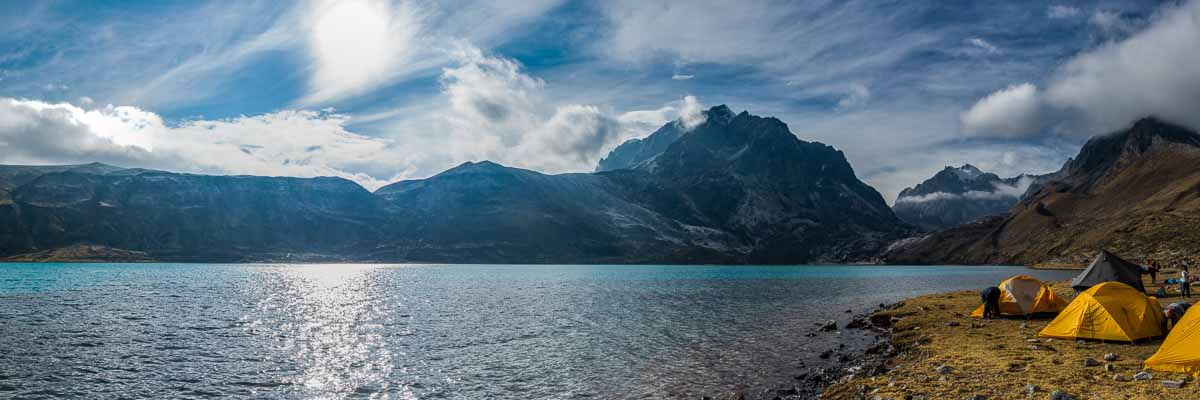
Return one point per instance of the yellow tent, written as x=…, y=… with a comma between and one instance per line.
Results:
x=1181, y=351
x=1023, y=295
x=1108, y=311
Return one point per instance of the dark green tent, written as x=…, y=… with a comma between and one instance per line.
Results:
x=1107, y=267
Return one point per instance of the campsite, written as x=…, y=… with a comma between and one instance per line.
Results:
x=1105, y=343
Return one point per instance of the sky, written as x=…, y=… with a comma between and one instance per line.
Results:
x=377, y=91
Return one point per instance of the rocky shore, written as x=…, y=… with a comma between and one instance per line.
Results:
x=856, y=345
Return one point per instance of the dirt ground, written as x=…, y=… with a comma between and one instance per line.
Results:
x=999, y=358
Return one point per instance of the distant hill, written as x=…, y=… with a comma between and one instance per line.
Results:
x=734, y=189
x=1135, y=192
x=956, y=195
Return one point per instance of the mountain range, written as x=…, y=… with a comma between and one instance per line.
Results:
x=957, y=195
x=1135, y=192
x=736, y=188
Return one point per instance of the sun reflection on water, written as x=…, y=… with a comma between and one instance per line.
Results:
x=326, y=318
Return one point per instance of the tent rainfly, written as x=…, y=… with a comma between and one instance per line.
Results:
x=1107, y=267
x=1181, y=351
x=1108, y=311
x=1025, y=295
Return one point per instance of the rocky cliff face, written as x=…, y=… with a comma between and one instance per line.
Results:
x=734, y=189
x=1135, y=192
x=957, y=195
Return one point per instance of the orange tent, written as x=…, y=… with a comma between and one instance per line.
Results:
x=1024, y=295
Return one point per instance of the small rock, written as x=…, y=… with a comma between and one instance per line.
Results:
x=1120, y=378
x=1090, y=363
x=978, y=397
x=1030, y=389
x=952, y=323
x=849, y=311
x=944, y=369
x=1110, y=367
x=1024, y=325
x=1061, y=395
x=825, y=355
x=857, y=323
x=829, y=326
x=1032, y=341
x=1173, y=384
x=1143, y=376
x=1110, y=357
x=1049, y=340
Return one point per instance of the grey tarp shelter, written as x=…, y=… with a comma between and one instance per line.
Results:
x=1107, y=267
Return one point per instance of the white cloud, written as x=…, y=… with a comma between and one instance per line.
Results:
x=1110, y=21
x=999, y=191
x=291, y=143
x=857, y=94
x=1011, y=112
x=681, y=77
x=490, y=109
x=983, y=44
x=1108, y=87
x=1061, y=11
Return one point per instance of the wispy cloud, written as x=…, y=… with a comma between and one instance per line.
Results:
x=1106, y=88
x=1061, y=11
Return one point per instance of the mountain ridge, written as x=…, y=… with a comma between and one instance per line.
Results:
x=734, y=189
x=957, y=195
x=1135, y=191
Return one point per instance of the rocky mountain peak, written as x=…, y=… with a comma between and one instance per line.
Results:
x=720, y=115
x=966, y=172
x=1100, y=154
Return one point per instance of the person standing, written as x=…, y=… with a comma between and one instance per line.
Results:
x=1185, y=286
x=1153, y=270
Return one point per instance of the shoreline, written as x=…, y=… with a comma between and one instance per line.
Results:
x=835, y=363
x=999, y=358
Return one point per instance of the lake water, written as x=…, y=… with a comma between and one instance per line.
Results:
x=429, y=331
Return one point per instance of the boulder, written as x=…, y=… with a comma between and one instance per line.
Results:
x=1061, y=395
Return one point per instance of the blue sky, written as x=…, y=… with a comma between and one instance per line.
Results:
x=379, y=90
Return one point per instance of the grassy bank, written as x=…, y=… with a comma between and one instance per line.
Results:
x=999, y=358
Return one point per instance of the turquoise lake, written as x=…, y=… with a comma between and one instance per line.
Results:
x=431, y=331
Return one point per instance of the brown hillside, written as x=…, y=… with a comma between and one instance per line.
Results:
x=1135, y=192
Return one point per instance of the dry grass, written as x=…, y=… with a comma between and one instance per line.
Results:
x=997, y=359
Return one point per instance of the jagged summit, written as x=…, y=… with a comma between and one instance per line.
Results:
x=956, y=195
x=720, y=114
x=1102, y=153
x=966, y=172
x=641, y=150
